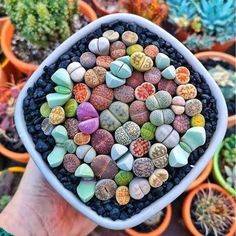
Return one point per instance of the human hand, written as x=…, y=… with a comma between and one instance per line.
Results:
x=36, y=209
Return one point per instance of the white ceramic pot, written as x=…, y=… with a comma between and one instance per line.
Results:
x=178, y=189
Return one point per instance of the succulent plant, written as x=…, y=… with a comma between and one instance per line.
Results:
x=231, y=175
x=153, y=10
x=226, y=79
x=213, y=212
x=229, y=150
x=2, y=9
x=155, y=219
x=7, y=108
x=41, y=22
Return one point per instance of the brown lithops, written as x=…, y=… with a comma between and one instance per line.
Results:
x=158, y=177
x=143, y=167
x=95, y=76
x=158, y=154
x=122, y=195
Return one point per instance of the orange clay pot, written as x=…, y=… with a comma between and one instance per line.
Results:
x=182, y=35
x=202, y=177
x=8, y=32
x=223, y=57
x=2, y=22
x=187, y=204
x=159, y=230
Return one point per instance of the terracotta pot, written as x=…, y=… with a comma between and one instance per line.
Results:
x=202, y=177
x=187, y=204
x=223, y=57
x=2, y=22
x=101, y=11
x=182, y=35
x=8, y=32
x=159, y=230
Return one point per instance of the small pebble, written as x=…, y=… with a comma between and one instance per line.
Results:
x=45, y=110
x=178, y=105
x=167, y=85
x=123, y=177
x=122, y=195
x=81, y=92
x=71, y=162
x=129, y=38
x=104, y=167
x=111, y=35
x=158, y=154
x=138, y=188
x=95, y=76
x=57, y=115
x=143, y=167
x=152, y=76
x=148, y=131
x=151, y=51
x=118, y=49
x=76, y=71
x=187, y=91
x=198, y=121
x=101, y=97
x=72, y=127
x=81, y=138
x=141, y=62
x=135, y=80
x=102, y=141
x=138, y=112
x=88, y=60
x=181, y=123
x=47, y=127
x=70, y=108
x=158, y=177
x=99, y=46
x=193, y=107
x=105, y=189
x=134, y=48
x=104, y=61
x=139, y=147
x=124, y=94
x=143, y=91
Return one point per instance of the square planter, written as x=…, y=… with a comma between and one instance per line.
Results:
x=175, y=191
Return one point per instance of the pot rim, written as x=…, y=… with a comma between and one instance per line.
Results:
x=188, y=202
x=176, y=190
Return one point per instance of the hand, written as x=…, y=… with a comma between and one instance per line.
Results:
x=36, y=209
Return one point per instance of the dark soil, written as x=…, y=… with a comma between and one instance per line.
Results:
x=33, y=54
x=36, y=95
x=212, y=63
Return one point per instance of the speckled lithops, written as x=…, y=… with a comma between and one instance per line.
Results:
x=143, y=167
x=141, y=62
x=139, y=147
x=158, y=154
x=158, y=177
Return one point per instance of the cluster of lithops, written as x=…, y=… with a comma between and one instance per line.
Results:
x=123, y=118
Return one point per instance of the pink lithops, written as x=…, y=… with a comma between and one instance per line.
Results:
x=118, y=49
x=124, y=94
x=167, y=85
x=140, y=147
x=138, y=112
x=135, y=80
x=143, y=91
x=102, y=141
x=104, y=61
x=152, y=76
x=88, y=118
x=81, y=92
x=101, y=97
x=178, y=105
x=181, y=123
x=151, y=51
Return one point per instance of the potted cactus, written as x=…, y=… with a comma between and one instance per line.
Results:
x=209, y=210
x=9, y=181
x=222, y=67
x=224, y=167
x=38, y=27
x=201, y=25
x=154, y=226
x=10, y=143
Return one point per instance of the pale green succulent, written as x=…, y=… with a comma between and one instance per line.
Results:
x=231, y=175
x=41, y=22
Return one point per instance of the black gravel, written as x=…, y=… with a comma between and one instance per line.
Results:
x=44, y=144
x=213, y=63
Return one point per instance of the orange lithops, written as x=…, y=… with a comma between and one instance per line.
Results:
x=151, y=51
x=182, y=75
x=81, y=92
x=81, y=138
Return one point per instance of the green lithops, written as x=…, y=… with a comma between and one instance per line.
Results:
x=70, y=108
x=45, y=110
x=148, y=131
x=134, y=48
x=123, y=177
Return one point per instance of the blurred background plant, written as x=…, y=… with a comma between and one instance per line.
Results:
x=41, y=22
x=204, y=21
x=2, y=9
